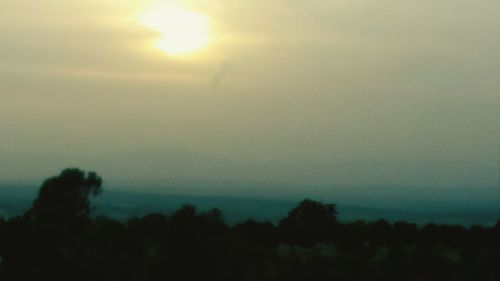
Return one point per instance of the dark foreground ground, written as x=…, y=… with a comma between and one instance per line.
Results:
x=308, y=244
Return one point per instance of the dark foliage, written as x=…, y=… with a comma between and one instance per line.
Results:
x=65, y=198
x=58, y=240
x=309, y=223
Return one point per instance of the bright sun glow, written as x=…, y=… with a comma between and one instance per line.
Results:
x=181, y=31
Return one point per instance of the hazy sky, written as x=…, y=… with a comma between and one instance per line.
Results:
x=339, y=92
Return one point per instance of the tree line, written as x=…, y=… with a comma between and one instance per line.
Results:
x=59, y=239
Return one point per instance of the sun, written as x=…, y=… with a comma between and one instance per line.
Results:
x=181, y=31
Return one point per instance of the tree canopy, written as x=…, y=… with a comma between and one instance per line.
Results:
x=310, y=222
x=66, y=197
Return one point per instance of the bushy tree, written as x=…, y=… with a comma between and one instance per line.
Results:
x=66, y=197
x=309, y=223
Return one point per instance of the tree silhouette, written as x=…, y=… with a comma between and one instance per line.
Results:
x=309, y=223
x=65, y=198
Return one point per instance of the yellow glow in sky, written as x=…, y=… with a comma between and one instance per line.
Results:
x=181, y=31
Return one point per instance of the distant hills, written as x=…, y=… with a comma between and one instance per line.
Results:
x=14, y=200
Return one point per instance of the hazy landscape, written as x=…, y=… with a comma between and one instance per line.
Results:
x=160, y=236
x=252, y=140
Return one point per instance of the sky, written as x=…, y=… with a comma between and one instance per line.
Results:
x=298, y=93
